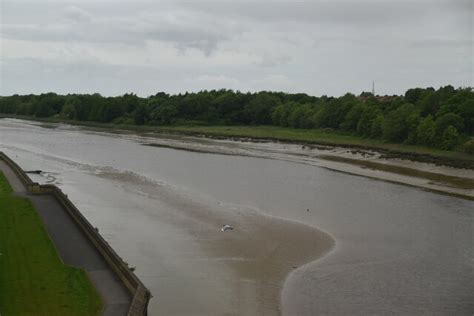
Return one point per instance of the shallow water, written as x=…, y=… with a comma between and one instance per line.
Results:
x=399, y=250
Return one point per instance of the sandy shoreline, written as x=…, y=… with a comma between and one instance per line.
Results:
x=263, y=254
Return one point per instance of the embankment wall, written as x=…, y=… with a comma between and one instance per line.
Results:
x=141, y=295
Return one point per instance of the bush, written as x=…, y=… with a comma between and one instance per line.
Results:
x=399, y=123
x=376, y=128
x=450, y=138
x=449, y=119
x=469, y=146
x=426, y=131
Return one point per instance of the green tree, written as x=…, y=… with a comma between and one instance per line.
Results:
x=364, y=125
x=450, y=138
x=469, y=146
x=449, y=119
x=296, y=116
x=281, y=112
x=49, y=104
x=414, y=95
x=259, y=109
x=426, y=131
x=305, y=120
x=140, y=115
x=129, y=102
x=399, y=123
x=376, y=128
x=165, y=114
x=352, y=117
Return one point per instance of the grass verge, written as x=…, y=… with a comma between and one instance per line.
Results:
x=33, y=279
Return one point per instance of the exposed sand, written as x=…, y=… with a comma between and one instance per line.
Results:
x=259, y=252
x=440, y=179
x=242, y=272
x=263, y=251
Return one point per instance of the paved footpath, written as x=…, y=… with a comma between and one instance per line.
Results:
x=74, y=247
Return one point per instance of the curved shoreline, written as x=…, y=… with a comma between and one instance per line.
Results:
x=271, y=263
x=359, y=164
x=195, y=227
x=259, y=253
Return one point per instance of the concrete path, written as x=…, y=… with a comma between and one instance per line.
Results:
x=15, y=182
x=74, y=247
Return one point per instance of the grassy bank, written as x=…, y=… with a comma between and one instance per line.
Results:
x=302, y=136
x=33, y=279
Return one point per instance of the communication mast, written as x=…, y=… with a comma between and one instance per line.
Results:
x=373, y=88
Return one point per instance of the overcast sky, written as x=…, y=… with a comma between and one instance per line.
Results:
x=318, y=47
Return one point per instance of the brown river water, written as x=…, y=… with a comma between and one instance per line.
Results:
x=306, y=240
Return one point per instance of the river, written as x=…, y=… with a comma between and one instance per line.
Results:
x=306, y=240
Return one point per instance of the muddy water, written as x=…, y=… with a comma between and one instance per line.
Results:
x=398, y=250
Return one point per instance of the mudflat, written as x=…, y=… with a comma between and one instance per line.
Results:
x=242, y=269
x=398, y=249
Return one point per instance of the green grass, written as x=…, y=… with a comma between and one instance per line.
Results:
x=33, y=279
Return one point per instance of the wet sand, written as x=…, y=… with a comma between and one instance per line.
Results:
x=441, y=179
x=259, y=252
x=398, y=249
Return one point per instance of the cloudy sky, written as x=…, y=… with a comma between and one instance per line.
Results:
x=318, y=47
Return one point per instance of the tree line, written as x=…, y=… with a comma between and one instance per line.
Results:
x=442, y=118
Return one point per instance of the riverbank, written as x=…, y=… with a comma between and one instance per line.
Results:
x=33, y=279
x=162, y=209
x=362, y=161
x=66, y=230
x=241, y=271
x=306, y=137
x=257, y=255
x=367, y=163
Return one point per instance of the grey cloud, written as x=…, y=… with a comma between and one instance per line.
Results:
x=77, y=24
x=269, y=60
x=442, y=42
x=318, y=47
x=203, y=25
x=38, y=75
x=77, y=14
x=351, y=13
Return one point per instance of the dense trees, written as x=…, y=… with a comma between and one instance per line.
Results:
x=440, y=118
x=426, y=131
x=400, y=123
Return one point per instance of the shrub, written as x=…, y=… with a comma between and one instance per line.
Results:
x=469, y=146
x=449, y=119
x=426, y=131
x=450, y=138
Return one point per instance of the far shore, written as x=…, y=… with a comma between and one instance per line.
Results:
x=443, y=172
x=262, y=251
x=304, y=137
